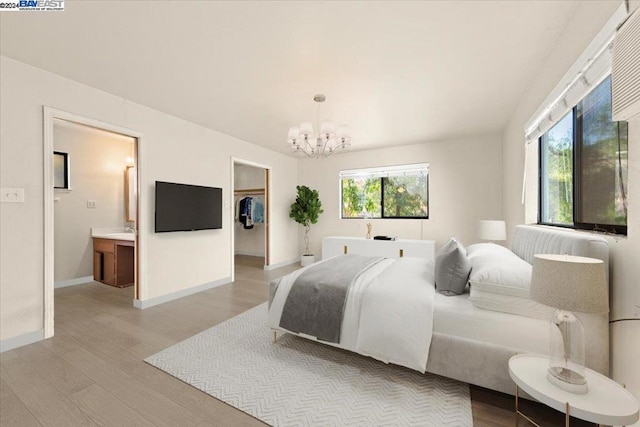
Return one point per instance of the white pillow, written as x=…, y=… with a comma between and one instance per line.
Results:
x=498, y=270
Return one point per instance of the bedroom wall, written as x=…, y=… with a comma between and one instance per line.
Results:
x=588, y=19
x=173, y=150
x=465, y=185
x=249, y=242
x=97, y=162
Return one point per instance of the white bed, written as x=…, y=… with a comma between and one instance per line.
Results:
x=466, y=343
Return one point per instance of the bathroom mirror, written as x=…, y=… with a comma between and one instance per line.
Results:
x=130, y=193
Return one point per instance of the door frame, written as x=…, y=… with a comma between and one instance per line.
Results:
x=267, y=199
x=50, y=114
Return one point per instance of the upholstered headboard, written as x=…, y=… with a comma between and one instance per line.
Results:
x=529, y=240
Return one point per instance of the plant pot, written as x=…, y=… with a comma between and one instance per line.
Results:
x=307, y=259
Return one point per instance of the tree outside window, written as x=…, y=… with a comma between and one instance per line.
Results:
x=391, y=192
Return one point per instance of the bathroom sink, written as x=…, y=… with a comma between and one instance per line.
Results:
x=116, y=236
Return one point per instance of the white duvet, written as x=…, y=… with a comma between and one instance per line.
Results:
x=388, y=313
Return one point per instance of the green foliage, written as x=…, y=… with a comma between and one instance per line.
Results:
x=306, y=210
x=404, y=197
x=559, y=179
x=307, y=207
x=361, y=198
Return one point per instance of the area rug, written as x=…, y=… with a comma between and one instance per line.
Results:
x=297, y=382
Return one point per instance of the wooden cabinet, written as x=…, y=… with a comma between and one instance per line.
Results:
x=113, y=262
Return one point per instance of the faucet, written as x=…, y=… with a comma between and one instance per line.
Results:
x=130, y=229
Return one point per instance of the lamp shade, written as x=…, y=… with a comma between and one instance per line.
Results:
x=492, y=230
x=306, y=128
x=294, y=131
x=570, y=283
x=327, y=127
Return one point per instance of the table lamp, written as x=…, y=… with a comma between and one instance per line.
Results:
x=569, y=283
x=492, y=230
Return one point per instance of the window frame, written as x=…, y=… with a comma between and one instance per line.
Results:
x=66, y=185
x=381, y=178
x=577, y=140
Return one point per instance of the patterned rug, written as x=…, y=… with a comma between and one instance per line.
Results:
x=297, y=382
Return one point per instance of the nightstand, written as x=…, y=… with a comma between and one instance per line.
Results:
x=606, y=402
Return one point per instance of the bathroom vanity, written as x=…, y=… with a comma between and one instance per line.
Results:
x=113, y=259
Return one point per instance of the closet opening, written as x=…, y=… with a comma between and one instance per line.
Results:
x=250, y=215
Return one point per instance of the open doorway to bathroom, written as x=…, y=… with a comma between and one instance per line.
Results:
x=250, y=215
x=91, y=204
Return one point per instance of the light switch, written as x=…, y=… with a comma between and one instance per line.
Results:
x=12, y=195
x=91, y=204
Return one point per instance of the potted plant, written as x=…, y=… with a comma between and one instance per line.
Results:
x=306, y=210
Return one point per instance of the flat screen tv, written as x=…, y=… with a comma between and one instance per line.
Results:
x=183, y=207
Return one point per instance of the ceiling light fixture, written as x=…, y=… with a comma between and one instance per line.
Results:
x=327, y=142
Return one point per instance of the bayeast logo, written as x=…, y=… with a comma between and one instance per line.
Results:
x=41, y=4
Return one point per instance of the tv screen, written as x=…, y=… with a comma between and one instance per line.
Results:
x=183, y=207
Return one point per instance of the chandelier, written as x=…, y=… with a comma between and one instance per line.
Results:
x=327, y=142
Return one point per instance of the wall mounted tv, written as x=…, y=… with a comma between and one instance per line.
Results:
x=183, y=207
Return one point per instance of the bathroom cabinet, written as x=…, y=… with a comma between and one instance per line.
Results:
x=113, y=262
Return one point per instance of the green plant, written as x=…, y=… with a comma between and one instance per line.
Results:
x=306, y=210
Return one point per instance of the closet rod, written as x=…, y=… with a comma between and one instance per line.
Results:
x=250, y=191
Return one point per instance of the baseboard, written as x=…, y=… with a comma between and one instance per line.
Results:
x=73, y=282
x=21, y=340
x=281, y=264
x=247, y=253
x=179, y=294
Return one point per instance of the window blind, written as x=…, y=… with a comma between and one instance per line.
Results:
x=386, y=171
x=586, y=73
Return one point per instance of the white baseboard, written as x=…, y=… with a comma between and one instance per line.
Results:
x=282, y=264
x=179, y=294
x=247, y=253
x=73, y=282
x=21, y=340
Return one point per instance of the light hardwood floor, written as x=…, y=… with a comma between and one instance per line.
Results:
x=91, y=372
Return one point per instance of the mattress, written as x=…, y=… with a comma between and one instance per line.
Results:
x=457, y=316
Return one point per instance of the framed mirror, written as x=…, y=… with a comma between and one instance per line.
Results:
x=130, y=193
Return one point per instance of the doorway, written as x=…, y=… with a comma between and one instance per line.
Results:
x=90, y=207
x=250, y=215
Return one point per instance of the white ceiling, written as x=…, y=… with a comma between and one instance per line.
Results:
x=396, y=72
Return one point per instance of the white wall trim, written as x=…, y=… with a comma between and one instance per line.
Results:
x=50, y=114
x=281, y=264
x=21, y=340
x=180, y=294
x=249, y=253
x=73, y=282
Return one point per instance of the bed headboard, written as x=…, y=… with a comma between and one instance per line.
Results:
x=529, y=240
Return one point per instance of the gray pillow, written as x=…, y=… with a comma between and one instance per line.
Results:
x=452, y=268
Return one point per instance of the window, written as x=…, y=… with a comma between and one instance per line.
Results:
x=60, y=170
x=386, y=192
x=583, y=167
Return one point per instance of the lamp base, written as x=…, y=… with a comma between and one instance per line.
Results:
x=567, y=379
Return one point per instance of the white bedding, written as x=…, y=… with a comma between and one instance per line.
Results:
x=457, y=316
x=510, y=304
x=388, y=314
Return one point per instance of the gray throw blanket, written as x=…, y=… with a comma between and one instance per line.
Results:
x=316, y=300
